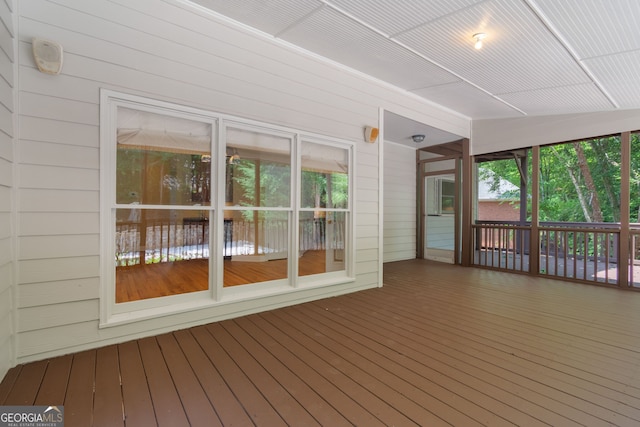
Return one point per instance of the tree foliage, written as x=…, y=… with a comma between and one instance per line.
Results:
x=579, y=181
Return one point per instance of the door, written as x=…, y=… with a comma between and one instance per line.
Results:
x=439, y=219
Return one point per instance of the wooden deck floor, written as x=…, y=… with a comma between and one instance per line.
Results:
x=437, y=345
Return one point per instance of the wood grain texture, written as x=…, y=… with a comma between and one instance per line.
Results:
x=437, y=345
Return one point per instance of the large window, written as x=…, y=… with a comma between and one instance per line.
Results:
x=324, y=208
x=258, y=206
x=190, y=221
x=161, y=206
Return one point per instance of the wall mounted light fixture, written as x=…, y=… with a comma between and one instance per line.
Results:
x=371, y=134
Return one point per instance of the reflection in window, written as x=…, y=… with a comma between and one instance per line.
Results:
x=256, y=246
x=325, y=176
x=324, y=197
x=163, y=161
x=440, y=196
x=258, y=186
x=160, y=252
x=322, y=242
x=258, y=169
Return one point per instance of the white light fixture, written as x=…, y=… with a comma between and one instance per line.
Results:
x=478, y=37
x=417, y=138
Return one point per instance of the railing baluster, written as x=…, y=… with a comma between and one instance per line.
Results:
x=607, y=251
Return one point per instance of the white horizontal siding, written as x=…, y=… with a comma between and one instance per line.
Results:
x=167, y=51
x=7, y=226
x=58, y=269
x=58, y=292
x=399, y=202
x=42, y=200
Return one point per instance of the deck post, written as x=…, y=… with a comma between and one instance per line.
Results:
x=534, y=245
x=467, y=204
x=623, y=243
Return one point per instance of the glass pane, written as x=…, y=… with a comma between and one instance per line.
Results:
x=580, y=181
x=256, y=246
x=160, y=253
x=447, y=196
x=322, y=242
x=258, y=169
x=325, y=176
x=162, y=160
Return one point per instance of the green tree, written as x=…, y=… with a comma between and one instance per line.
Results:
x=579, y=181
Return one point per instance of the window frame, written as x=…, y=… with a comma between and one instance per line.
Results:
x=112, y=313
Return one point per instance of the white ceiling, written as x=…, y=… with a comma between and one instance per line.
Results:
x=540, y=57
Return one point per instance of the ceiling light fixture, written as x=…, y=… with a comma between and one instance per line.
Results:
x=478, y=37
x=417, y=138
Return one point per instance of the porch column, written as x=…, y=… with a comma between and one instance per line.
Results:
x=467, y=204
x=534, y=241
x=623, y=243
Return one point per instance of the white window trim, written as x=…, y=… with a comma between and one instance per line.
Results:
x=112, y=314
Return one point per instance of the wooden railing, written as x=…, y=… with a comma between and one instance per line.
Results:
x=167, y=241
x=634, y=257
x=586, y=252
x=502, y=246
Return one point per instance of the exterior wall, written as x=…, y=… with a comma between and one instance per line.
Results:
x=399, y=202
x=498, y=210
x=7, y=229
x=503, y=134
x=167, y=51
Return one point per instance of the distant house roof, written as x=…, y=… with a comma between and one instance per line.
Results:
x=485, y=193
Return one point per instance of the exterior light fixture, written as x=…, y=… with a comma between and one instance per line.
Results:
x=478, y=37
x=417, y=138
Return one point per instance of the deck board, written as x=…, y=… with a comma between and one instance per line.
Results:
x=195, y=401
x=229, y=410
x=54, y=384
x=281, y=400
x=298, y=361
x=107, y=405
x=304, y=394
x=78, y=403
x=437, y=345
x=258, y=408
x=27, y=384
x=136, y=398
x=166, y=401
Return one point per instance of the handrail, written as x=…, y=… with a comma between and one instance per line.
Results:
x=559, y=224
x=578, y=251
